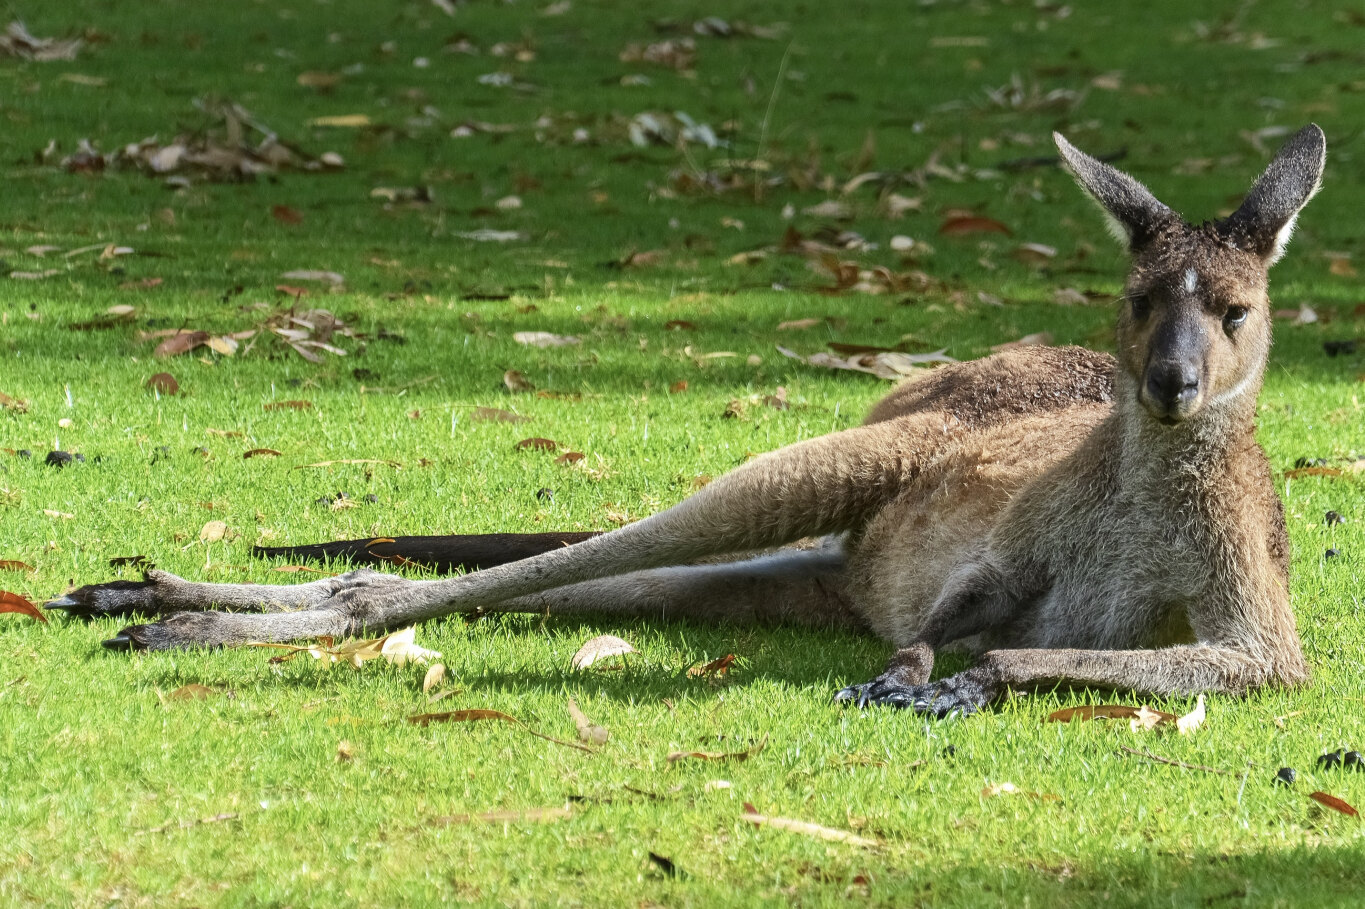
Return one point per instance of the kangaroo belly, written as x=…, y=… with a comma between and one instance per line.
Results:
x=899, y=562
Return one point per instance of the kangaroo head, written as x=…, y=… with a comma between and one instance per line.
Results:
x=1194, y=328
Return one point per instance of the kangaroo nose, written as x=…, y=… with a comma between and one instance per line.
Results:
x=1172, y=384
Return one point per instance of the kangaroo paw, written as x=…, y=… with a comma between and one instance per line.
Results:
x=957, y=695
x=114, y=598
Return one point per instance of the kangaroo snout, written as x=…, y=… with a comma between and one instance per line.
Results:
x=1171, y=389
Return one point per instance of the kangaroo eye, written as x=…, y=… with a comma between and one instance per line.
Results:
x=1142, y=306
x=1234, y=317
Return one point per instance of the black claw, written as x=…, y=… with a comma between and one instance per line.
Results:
x=119, y=641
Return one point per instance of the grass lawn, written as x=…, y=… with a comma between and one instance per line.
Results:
x=669, y=245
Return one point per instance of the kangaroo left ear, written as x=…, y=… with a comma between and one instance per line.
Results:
x=1265, y=221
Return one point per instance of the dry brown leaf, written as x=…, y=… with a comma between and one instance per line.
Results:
x=213, y=531
x=588, y=731
x=14, y=404
x=569, y=457
x=885, y=364
x=1296, y=472
x=435, y=676
x=399, y=648
x=192, y=692
x=799, y=324
x=288, y=405
x=1142, y=717
x=963, y=225
x=14, y=565
x=12, y=602
x=164, y=383
x=600, y=648
x=719, y=755
x=260, y=453
x=718, y=666
x=1336, y=804
x=516, y=382
x=345, y=752
x=295, y=569
x=286, y=214
x=52, y=513
x=537, y=444
x=806, y=828
x=181, y=342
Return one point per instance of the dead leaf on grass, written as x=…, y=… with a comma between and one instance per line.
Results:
x=192, y=692
x=1336, y=804
x=537, y=444
x=288, y=405
x=14, y=404
x=885, y=364
x=544, y=339
x=213, y=531
x=971, y=224
x=435, y=676
x=600, y=648
x=15, y=565
x=718, y=666
x=516, y=382
x=12, y=602
x=18, y=42
x=182, y=341
x=569, y=457
x=261, y=452
x=164, y=383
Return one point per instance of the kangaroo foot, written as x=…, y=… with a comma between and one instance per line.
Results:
x=958, y=695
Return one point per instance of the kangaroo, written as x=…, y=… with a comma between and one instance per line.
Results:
x=1071, y=517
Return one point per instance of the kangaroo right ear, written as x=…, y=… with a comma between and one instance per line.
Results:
x=1133, y=214
x=1266, y=219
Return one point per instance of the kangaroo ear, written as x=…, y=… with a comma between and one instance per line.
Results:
x=1133, y=214
x=1266, y=219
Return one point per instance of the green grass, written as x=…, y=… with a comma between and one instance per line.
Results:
x=92, y=755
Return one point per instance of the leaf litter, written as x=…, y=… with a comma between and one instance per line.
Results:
x=398, y=648
x=600, y=648
x=477, y=715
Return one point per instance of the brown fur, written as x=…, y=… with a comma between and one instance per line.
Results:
x=1069, y=515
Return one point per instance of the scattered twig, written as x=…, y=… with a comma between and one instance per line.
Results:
x=1161, y=760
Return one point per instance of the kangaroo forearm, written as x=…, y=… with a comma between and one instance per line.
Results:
x=1169, y=670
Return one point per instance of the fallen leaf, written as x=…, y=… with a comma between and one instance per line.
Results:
x=1138, y=717
x=15, y=565
x=164, y=383
x=600, y=648
x=213, y=531
x=1336, y=804
x=192, y=692
x=14, y=404
x=995, y=789
x=261, y=452
x=345, y=752
x=51, y=513
x=588, y=731
x=222, y=345
x=399, y=648
x=1295, y=472
x=799, y=324
x=1192, y=720
x=1036, y=254
x=569, y=457
x=435, y=676
x=12, y=602
x=497, y=415
x=537, y=444
x=288, y=405
x=487, y=235
x=830, y=208
x=319, y=80
x=181, y=342
x=806, y=828
x=719, y=666
x=544, y=339
x=296, y=569
x=678, y=387
x=963, y=225
x=475, y=715
x=719, y=755
x=516, y=382
x=286, y=215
